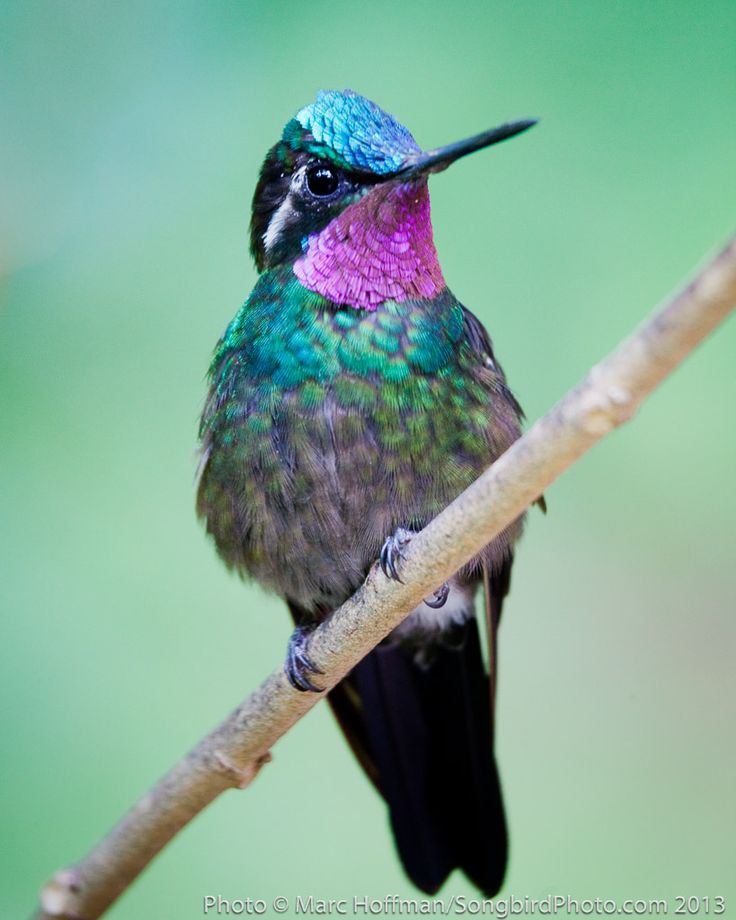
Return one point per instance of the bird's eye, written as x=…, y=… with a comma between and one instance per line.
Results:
x=322, y=181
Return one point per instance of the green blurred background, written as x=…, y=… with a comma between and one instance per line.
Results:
x=131, y=139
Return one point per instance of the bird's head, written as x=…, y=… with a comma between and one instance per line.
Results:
x=343, y=197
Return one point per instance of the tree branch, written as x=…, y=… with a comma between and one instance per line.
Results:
x=233, y=753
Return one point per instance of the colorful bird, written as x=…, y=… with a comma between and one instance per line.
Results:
x=351, y=399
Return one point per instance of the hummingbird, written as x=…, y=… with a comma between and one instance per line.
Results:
x=350, y=400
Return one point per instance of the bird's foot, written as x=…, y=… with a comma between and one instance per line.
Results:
x=440, y=597
x=299, y=665
x=392, y=552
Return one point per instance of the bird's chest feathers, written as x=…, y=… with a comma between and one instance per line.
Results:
x=329, y=427
x=379, y=248
x=346, y=395
x=394, y=355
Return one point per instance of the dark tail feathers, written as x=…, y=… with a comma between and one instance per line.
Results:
x=424, y=735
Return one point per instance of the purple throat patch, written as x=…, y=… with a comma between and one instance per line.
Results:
x=379, y=248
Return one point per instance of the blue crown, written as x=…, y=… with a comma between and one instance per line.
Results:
x=356, y=131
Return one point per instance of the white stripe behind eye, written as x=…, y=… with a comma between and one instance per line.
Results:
x=277, y=224
x=283, y=213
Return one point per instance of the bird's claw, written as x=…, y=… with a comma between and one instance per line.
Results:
x=440, y=597
x=392, y=552
x=299, y=665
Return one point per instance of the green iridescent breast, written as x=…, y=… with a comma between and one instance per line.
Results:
x=326, y=428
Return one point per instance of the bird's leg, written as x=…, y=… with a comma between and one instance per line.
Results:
x=392, y=552
x=299, y=665
x=440, y=597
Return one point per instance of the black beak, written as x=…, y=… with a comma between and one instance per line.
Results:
x=432, y=161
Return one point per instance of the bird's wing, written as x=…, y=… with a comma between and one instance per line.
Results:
x=495, y=588
x=479, y=340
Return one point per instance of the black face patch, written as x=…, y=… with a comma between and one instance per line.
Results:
x=317, y=190
x=272, y=188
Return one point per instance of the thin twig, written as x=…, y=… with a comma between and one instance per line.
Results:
x=232, y=754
